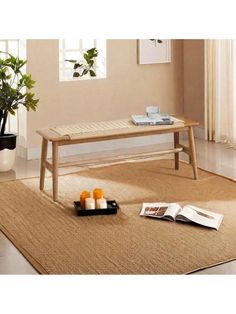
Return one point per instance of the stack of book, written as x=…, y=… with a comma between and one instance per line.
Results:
x=153, y=116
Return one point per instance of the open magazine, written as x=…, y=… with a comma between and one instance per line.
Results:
x=189, y=213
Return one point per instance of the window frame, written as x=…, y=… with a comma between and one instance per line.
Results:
x=63, y=69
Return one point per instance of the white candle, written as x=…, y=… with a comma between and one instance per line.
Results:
x=89, y=203
x=101, y=203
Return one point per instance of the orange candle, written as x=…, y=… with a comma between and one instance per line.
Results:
x=98, y=193
x=83, y=196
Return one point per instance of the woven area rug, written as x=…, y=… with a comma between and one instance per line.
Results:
x=56, y=241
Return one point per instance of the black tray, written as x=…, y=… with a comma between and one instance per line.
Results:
x=112, y=207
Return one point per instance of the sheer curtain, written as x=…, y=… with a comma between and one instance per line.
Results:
x=220, y=91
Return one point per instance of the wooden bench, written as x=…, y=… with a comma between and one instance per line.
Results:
x=52, y=135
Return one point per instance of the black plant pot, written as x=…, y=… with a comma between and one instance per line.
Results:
x=7, y=151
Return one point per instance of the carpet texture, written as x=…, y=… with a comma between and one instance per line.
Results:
x=56, y=241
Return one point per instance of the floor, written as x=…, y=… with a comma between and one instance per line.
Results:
x=211, y=156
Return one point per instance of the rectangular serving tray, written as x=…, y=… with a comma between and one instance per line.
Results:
x=112, y=208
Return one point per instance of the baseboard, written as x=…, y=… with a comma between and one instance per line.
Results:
x=71, y=150
x=199, y=132
x=21, y=151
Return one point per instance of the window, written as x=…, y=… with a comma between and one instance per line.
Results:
x=16, y=47
x=73, y=49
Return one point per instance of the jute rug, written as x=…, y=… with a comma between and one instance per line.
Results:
x=56, y=241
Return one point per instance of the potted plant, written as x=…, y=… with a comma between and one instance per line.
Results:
x=86, y=65
x=15, y=91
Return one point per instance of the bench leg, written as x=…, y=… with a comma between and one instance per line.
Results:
x=42, y=165
x=176, y=145
x=55, y=170
x=192, y=149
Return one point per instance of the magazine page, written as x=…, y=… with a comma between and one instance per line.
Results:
x=160, y=210
x=200, y=216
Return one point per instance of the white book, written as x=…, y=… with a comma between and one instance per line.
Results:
x=188, y=213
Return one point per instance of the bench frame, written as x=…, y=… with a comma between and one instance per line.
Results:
x=48, y=135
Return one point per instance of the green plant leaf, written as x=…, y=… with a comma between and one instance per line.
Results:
x=92, y=73
x=73, y=61
x=91, y=63
x=93, y=52
x=86, y=57
x=76, y=74
x=77, y=65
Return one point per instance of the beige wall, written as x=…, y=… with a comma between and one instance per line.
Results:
x=193, y=56
x=128, y=88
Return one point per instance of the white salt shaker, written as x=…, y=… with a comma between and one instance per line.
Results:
x=101, y=203
x=89, y=203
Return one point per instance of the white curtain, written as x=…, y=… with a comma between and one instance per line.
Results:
x=220, y=91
